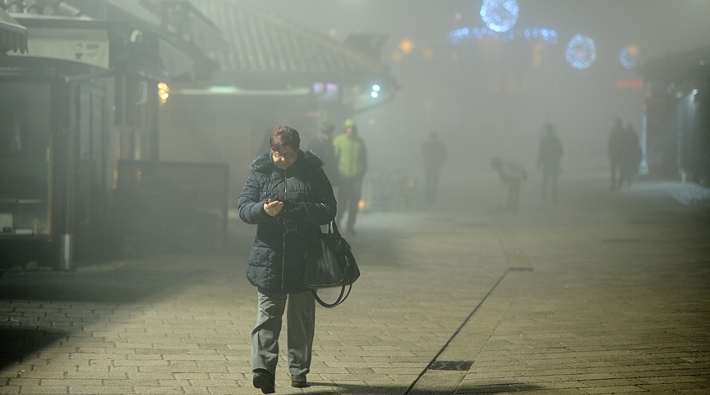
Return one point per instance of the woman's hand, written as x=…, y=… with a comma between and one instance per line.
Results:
x=273, y=207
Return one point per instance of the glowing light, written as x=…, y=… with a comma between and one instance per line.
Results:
x=326, y=91
x=223, y=89
x=375, y=91
x=630, y=84
x=536, y=33
x=163, y=92
x=629, y=56
x=406, y=46
x=581, y=52
x=500, y=15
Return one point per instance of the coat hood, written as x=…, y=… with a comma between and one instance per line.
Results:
x=264, y=163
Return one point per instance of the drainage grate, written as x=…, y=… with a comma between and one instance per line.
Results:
x=473, y=224
x=451, y=365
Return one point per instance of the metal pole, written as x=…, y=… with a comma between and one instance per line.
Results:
x=65, y=252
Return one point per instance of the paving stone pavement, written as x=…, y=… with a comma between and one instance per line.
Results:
x=604, y=293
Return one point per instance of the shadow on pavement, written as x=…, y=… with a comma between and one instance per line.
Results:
x=113, y=286
x=370, y=246
x=17, y=342
x=74, y=299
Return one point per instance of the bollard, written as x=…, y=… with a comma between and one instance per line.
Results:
x=65, y=252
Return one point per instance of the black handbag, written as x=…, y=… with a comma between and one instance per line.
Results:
x=330, y=263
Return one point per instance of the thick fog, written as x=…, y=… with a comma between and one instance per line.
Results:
x=493, y=100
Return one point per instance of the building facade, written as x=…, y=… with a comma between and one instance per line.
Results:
x=81, y=99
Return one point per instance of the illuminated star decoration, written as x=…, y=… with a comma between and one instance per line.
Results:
x=581, y=52
x=500, y=15
x=629, y=56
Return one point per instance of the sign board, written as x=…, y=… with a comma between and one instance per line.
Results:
x=90, y=46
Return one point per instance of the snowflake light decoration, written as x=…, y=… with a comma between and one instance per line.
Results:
x=581, y=52
x=500, y=15
x=629, y=56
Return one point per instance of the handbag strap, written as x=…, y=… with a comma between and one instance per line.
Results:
x=333, y=228
x=341, y=298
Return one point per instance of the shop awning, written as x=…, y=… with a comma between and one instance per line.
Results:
x=13, y=36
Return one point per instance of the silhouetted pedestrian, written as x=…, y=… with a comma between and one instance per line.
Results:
x=322, y=146
x=548, y=161
x=616, y=152
x=433, y=155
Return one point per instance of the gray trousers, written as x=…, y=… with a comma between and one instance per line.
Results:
x=301, y=323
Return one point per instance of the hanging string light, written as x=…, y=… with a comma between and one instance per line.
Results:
x=534, y=33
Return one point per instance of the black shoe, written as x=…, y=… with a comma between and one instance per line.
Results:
x=299, y=381
x=263, y=381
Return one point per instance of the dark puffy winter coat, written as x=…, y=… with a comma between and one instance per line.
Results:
x=276, y=261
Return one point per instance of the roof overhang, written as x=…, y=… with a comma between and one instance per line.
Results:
x=110, y=44
x=13, y=36
x=180, y=50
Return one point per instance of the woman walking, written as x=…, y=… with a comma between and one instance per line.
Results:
x=288, y=196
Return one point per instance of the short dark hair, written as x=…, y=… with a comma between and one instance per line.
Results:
x=328, y=129
x=284, y=136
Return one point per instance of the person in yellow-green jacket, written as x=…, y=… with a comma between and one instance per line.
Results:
x=352, y=166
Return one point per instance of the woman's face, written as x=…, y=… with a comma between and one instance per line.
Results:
x=285, y=157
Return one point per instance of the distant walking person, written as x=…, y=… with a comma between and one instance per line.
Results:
x=433, y=155
x=548, y=160
x=323, y=148
x=616, y=152
x=511, y=174
x=288, y=196
x=352, y=166
x=632, y=155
